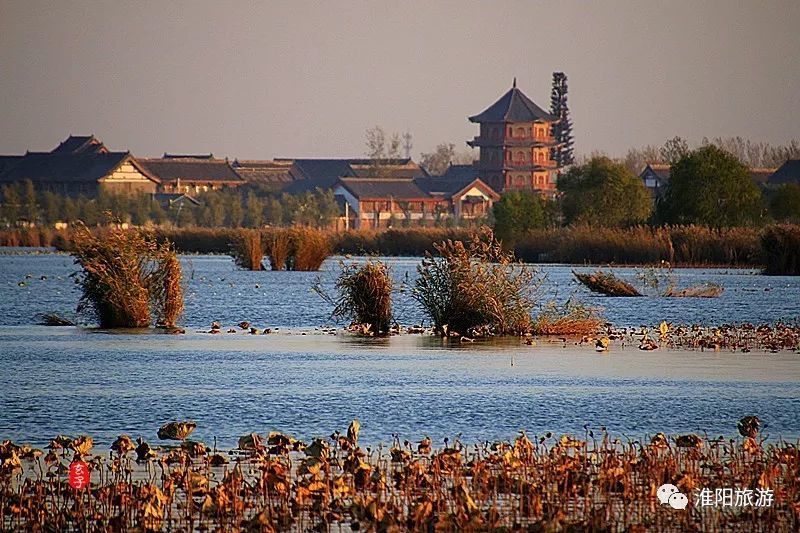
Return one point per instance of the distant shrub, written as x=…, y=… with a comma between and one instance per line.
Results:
x=126, y=276
x=781, y=245
x=475, y=288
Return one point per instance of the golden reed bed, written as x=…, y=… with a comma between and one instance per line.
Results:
x=276, y=483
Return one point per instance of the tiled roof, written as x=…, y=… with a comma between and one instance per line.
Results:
x=761, y=175
x=64, y=167
x=661, y=170
x=7, y=160
x=788, y=172
x=398, y=189
x=191, y=169
x=455, y=179
x=311, y=174
x=265, y=171
x=187, y=156
x=80, y=144
x=513, y=106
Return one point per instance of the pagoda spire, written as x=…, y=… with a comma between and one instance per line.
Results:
x=514, y=86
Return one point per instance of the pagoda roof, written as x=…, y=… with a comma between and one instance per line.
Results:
x=513, y=106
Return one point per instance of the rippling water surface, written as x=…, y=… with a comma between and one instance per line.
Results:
x=71, y=380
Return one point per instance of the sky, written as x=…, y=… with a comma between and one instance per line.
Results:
x=257, y=80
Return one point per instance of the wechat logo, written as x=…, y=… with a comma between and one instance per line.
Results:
x=669, y=494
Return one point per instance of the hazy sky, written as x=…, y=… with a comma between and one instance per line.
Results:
x=265, y=79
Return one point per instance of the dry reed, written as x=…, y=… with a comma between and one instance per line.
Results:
x=279, y=249
x=247, y=250
x=127, y=275
x=475, y=289
x=606, y=283
x=364, y=296
x=570, y=319
x=310, y=248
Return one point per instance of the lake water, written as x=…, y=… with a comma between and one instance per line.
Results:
x=77, y=380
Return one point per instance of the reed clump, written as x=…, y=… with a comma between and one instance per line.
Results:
x=279, y=248
x=570, y=319
x=248, y=250
x=781, y=245
x=364, y=296
x=606, y=283
x=127, y=278
x=310, y=248
x=706, y=290
x=475, y=288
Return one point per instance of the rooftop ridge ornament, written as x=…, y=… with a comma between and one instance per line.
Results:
x=514, y=85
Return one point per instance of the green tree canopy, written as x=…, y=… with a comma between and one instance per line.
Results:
x=517, y=213
x=603, y=193
x=710, y=186
x=785, y=203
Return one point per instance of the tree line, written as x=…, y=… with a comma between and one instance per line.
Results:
x=708, y=186
x=245, y=207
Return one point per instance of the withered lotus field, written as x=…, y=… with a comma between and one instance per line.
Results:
x=278, y=483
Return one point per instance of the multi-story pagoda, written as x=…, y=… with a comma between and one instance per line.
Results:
x=515, y=140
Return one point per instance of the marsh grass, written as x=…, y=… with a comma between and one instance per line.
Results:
x=310, y=248
x=279, y=249
x=475, y=288
x=781, y=245
x=127, y=276
x=363, y=296
x=706, y=290
x=248, y=250
x=606, y=283
x=571, y=318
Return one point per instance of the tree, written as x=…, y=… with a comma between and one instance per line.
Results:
x=255, y=210
x=636, y=158
x=274, y=212
x=30, y=209
x=140, y=209
x=517, y=213
x=674, y=149
x=11, y=203
x=710, y=186
x=785, y=203
x=380, y=151
x=235, y=211
x=562, y=130
x=51, y=207
x=437, y=162
x=72, y=210
x=603, y=193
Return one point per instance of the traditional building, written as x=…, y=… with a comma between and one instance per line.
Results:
x=655, y=177
x=81, y=166
x=192, y=174
x=264, y=172
x=468, y=197
x=789, y=172
x=515, y=141
x=380, y=203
